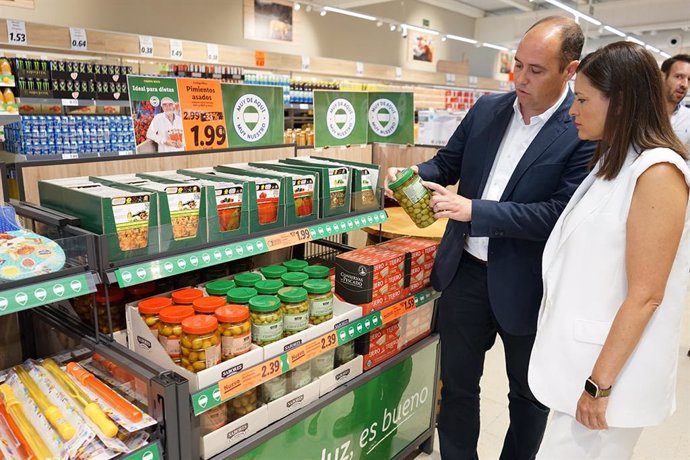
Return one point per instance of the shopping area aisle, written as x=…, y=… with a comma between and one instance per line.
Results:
x=669, y=441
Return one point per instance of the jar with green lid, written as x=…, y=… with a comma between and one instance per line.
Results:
x=414, y=198
x=295, y=265
x=320, y=300
x=267, y=319
x=323, y=363
x=273, y=272
x=219, y=288
x=299, y=377
x=243, y=404
x=317, y=272
x=345, y=353
x=295, y=309
x=269, y=287
x=240, y=295
x=200, y=343
x=273, y=389
x=247, y=279
x=294, y=278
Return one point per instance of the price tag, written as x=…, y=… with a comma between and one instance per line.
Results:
x=260, y=58
x=450, y=78
x=212, y=52
x=303, y=106
x=306, y=63
x=176, y=49
x=70, y=102
x=124, y=153
x=16, y=32
x=360, y=69
x=397, y=310
x=146, y=45
x=203, y=116
x=312, y=349
x=473, y=81
x=284, y=240
x=398, y=73
x=77, y=38
x=70, y=156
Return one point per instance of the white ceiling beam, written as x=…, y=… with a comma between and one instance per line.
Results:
x=457, y=7
x=522, y=5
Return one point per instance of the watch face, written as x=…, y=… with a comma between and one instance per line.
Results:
x=591, y=388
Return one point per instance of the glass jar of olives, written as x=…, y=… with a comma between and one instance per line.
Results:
x=186, y=296
x=317, y=271
x=295, y=309
x=269, y=287
x=294, y=278
x=208, y=305
x=414, y=198
x=240, y=295
x=267, y=319
x=274, y=389
x=219, y=288
x=170, y=329
x=243, y=404
x=345, y=353
x=323, y=363
x=235, y=330
x=273, y=272
x=295, y=265
x=247, y=279
x=299, y=377
x=320, y=300
x=149, y=310
x=200, y=343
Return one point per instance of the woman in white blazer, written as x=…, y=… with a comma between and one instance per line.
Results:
x=615, y=268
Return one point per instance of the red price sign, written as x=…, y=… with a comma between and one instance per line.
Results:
x=203, y=117
x=260, y=58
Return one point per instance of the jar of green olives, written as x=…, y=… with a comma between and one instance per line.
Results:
x=240, y=295
x=235, y=330
x=247, y=279
x=208, y=305
x=295, y=265
x=414, y=198
x=320, y=300
x=269, y=287
x=219, y=288
x=299, y=377
x=170, y=329
x=323, y=363
x=294, y=278
x=150, y=309
x=243, y=404
x=345, y=353
x=273, y=272
x=200, y=343
x=295, y=309
x=267, y=319
x=186, y=296
x=317, y=271
x=273, y=389
x=214, y=419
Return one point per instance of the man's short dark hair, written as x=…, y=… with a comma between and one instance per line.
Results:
x=668, y=63
x=572, y=38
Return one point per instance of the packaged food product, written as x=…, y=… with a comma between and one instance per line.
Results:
x=320, y=300
x=214, y=419
x=247, y=279
x=150, y=309
x=208, y=305
x=240, y=295
x=267, y=319
x=295, y=309
x=299, y=377
x=420, y=254
x=323, y=363
x=295, y=265
x=269, y=287
x=5, y=68
x=273, y=272
x=8, y=95
x=117, y=309
x=294, y=278
x=345, y=353
x=414, y=198
x=186, y=296
x=170, y=329
x=317, y=271
x=243, y=404
x=235, y=330
x=219, y=288
x=200, y=343
x=274, y=389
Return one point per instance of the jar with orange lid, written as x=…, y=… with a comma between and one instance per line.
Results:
x=117, y=310
x=235, y=330
x=140, y=291
x=208, y=305
x=200, y=343
x=170, y=329
x=186, y=296
x=150, y=309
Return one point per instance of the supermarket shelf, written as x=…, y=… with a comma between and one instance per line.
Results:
x=71, y=102
x=163, y=267
x=103, y=103
x=7, y=118
x=12, y=158
x=301, y=106
x=204, y=400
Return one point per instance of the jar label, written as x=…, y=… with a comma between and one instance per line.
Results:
x=297, y=322
x=214, y=419
x=212, y=355
x=236, y=345
x=322, y=364
x=274, y=389
x=154, y=331
x=171, y=346
x=267, y=332
x=415, y=191
x=321, y=307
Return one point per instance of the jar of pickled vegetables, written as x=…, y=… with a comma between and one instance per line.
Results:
x=240, y=295
x=267, y=319
x=219, y=288
x=344, y=353
x=273, y=272
x=247, y=279
x=295, y=309
x=294, y=278
x=140, y=291
x=317, y=272
x=235, y=330
x=186, y=296
x=170, y=329
x=200, y=343
x=295, y=265
x=414, y=198
x=320, y=300
x=269, y=287
x=299, y=377
x=214, y=419
x=323, y=363
x=150, y=309
x=243, y=404
x=274, y=389
x=208, y=305
x=116, y=298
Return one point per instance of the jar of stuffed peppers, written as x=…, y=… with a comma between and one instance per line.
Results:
x=414, y=198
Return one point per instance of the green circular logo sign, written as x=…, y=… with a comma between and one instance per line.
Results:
x=250, y=117
x=340, y=118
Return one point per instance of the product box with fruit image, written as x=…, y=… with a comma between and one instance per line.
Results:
x=335, y=184
x=300, y=204
x=224, y=203
x=128, y=220
x=266, y=196
x=181, y=223
x=370, y=277
x=420, y=254
x=364, y=182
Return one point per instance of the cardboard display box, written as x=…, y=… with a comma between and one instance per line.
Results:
x=419, y=260
x=335, y=184
x=364, y=183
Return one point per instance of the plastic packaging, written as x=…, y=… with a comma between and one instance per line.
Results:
x=186, y=296
x=269, y=287
x=170, y=329
x=241, y=296
x=247, y=279
x=295, y=309
x=208, y=305
x=243, y=404
x=219, y=288
x=273, y=272
x=317, y=271
x=294, y=278
x=295, y=265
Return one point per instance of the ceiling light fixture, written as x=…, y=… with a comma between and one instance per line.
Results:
x=443, y=38
x=421, y=29
x=461, y=39
x=347, y=13
x=323, y=12
x=665, y=54
x=652, y=48
x=308, y=8
x=630, y=38
x=297, y=6
x=615, y=31
x=495, y=47
x=393, y=27
x=379, y=23
x=574, y=12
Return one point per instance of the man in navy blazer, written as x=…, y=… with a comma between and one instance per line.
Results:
x=519, y=160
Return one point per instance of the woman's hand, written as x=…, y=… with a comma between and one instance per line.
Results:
x=591, y=412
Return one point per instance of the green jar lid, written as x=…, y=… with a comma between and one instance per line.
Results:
x=241, y=295
x=317, y=271
x=402, y=177
x=247, y=279
x=270, y=287
x=264, y=303
x=294, y=278
x=292, y=294
x=295, y=265
x=219, y=287
x=317, y=286
x=273, y=271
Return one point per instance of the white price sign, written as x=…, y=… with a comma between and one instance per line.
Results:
x=70, y=102
x=360, y=69
x=398, y=73
x=450, y=78
x=77, y=38
x=212, y=52
x=145, y=45
x=473, y=81
x=176, y=49
x=306, y=63
x=16, y=32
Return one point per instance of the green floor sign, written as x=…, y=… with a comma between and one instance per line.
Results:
x=375, y=421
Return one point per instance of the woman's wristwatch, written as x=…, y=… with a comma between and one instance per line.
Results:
x=594, y=391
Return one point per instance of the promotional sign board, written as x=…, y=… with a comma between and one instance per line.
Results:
x=391, y=118
x=340, y=118
x=254, y=114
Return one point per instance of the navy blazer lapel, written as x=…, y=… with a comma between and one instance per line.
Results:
x=496, y=130
x=553, y=128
